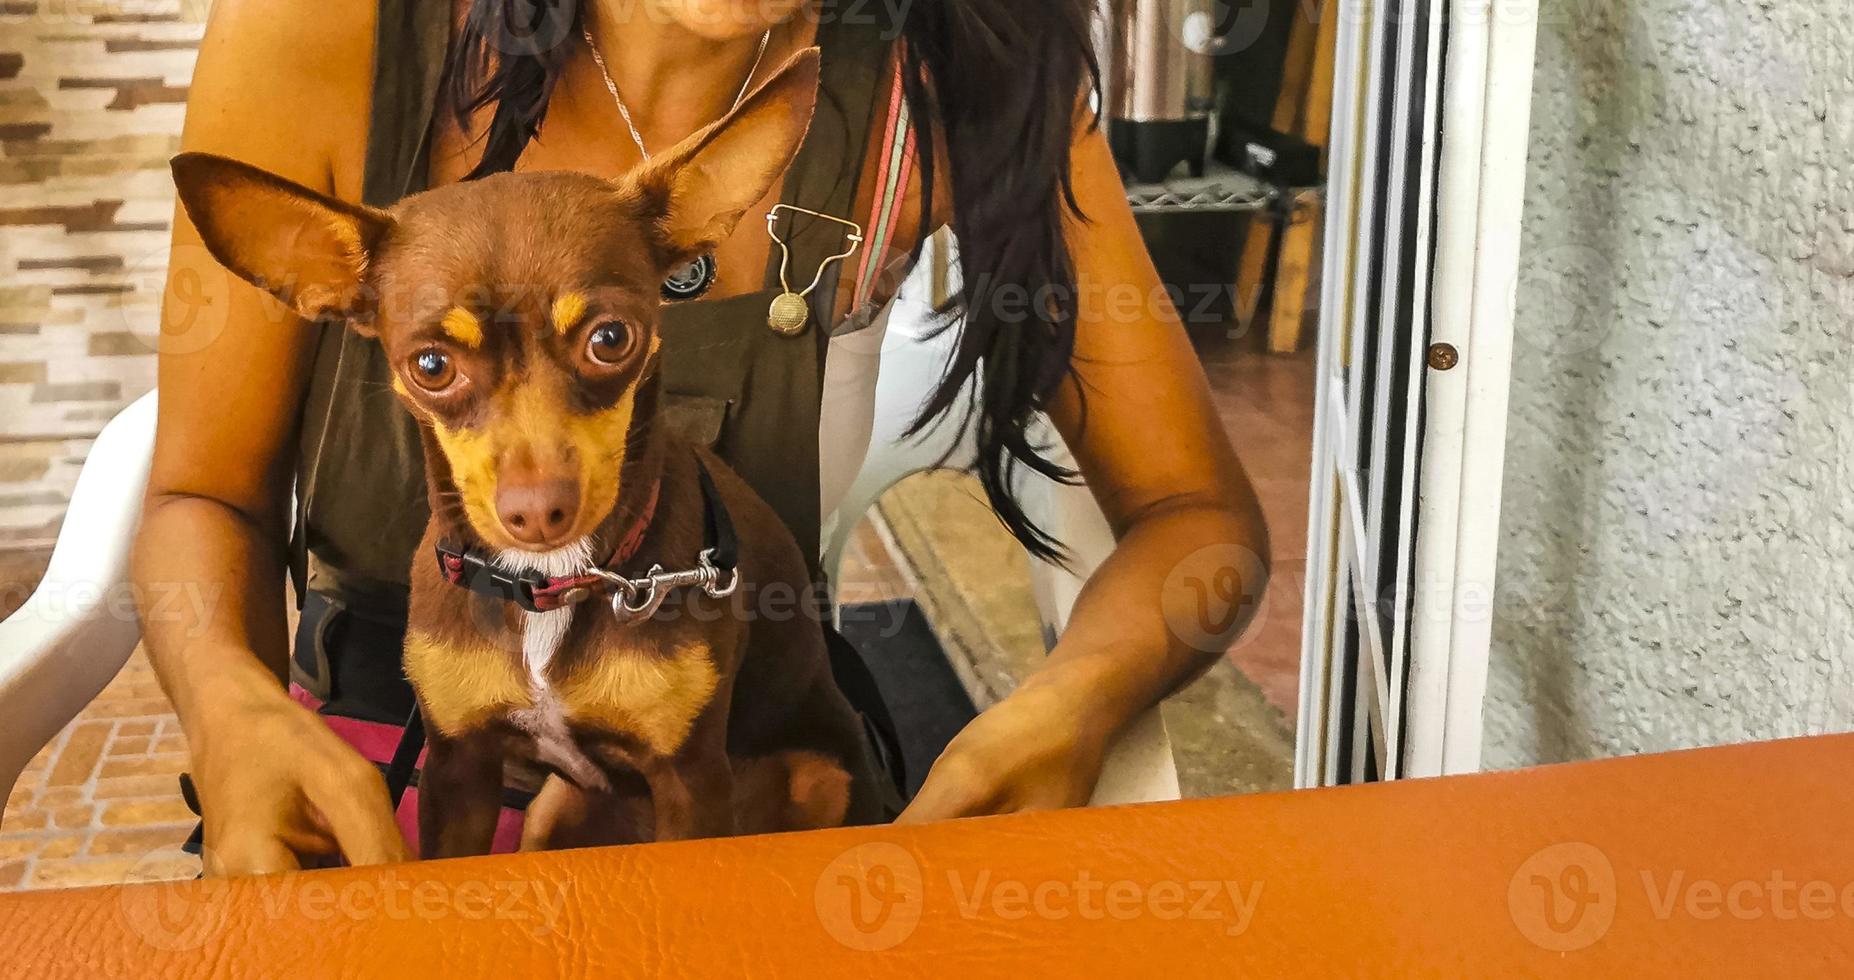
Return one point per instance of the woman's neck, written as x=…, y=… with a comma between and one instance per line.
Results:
x=673, y=80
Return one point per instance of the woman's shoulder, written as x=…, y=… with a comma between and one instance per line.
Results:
x=278, y=48
x=286, y=85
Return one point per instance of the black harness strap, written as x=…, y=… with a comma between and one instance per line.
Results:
x=405, y=757
x=717, y=526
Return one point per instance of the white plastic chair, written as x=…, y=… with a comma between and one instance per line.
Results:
x=60, y=649
x=77, y=629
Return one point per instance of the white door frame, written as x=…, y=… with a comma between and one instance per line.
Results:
x=1426, y=182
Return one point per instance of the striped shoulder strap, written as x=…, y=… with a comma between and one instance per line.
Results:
x=896, y=167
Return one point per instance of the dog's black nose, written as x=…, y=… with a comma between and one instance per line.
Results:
x=538, y=512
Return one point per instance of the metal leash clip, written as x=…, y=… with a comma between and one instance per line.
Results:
x=640, y=598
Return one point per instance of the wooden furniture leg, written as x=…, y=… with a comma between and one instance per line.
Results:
x=1297, y=70
x=1300, y=240
x=1293, y=271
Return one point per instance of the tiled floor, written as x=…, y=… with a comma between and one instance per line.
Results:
x=873, y=570
x=1266, y=402
x=101, y=804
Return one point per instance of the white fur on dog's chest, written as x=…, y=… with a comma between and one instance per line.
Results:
x=546, y=722
x=651, y=693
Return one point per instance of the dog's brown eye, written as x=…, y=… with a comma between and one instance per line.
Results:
x=432, y=370
x=608, y=343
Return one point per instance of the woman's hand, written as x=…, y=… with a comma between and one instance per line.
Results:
x=275, y=784
x=1040, y=748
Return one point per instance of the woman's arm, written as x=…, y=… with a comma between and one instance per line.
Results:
x=1192, y=555
x=282, y=86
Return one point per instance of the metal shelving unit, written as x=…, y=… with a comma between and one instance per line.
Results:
x=1220, y=189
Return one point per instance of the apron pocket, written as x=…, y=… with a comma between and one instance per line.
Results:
x=697, y=418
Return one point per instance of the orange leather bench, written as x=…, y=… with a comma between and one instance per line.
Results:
x=1730, y=861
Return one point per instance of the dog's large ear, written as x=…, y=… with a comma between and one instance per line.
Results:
x=701, y=186
x=306, y=248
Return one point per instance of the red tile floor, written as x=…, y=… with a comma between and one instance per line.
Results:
x=1266, y=402
x=100, y=804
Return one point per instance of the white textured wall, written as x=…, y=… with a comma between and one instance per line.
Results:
x=1675, y=565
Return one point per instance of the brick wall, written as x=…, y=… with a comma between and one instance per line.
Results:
x=91, y=101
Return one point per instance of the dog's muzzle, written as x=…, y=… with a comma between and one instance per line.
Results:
x=632, y=597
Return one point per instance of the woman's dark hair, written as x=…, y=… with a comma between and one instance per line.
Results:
x=999, y=82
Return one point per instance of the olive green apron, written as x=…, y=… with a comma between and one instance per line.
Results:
x=729, y=381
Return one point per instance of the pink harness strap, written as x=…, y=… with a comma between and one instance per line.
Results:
x=375, y=741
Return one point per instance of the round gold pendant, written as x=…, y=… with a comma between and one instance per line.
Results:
x=787, y=314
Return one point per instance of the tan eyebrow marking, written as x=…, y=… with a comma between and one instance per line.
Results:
x=568, y=308
x=462, y=326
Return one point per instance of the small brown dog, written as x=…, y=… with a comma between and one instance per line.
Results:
x=550, y=475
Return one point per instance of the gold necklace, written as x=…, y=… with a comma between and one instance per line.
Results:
x=691, y=280
x=625, y=111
